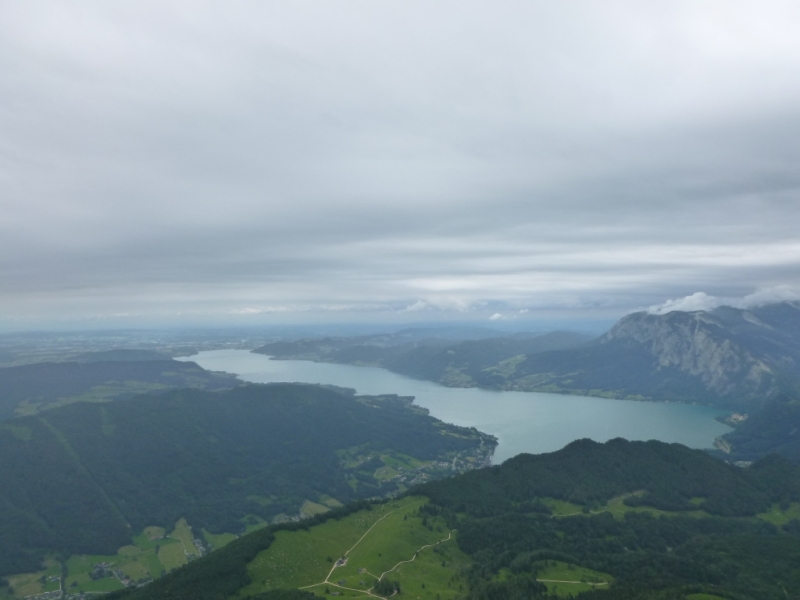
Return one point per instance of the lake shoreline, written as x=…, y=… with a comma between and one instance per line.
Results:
x=531, y=422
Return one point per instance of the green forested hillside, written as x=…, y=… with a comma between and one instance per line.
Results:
x=701, y=532
x=615, y=521
x=485, y=362
x=773, y=429
x=85, y=477
x=98, y=376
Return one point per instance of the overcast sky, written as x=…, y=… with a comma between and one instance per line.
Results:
x=260, y=162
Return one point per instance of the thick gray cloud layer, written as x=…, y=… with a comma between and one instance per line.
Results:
x=299, y=159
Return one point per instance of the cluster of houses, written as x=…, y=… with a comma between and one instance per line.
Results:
x=198, y=543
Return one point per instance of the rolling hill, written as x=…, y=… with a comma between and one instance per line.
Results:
x=86, y=477
x=614, y=521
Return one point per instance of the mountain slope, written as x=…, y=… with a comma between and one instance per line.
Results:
x=727, y=357
x=655, y=520
x=462, y=363
x=773, y=429
x=85, y=477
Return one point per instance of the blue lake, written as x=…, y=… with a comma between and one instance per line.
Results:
x=522, y=421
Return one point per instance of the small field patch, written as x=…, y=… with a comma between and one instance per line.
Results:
x=562, y=508
x=778, y=516
x=183, y=533
x=30, y=584
x=218, y=540
x=309, y=509
x=564, y=579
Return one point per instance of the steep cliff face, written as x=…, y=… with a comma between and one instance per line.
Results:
x=699, y=344
x=728, y=357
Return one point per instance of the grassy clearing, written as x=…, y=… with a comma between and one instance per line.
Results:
x=432, y=574
x=309, y=509
x=149, y=557
x=137, y=562
x=618, y=508
x=300, y=558
x=778, y=516
x=386, y=473
x=150, y=538
x=30, y=584
x=390, y=537
x=138, y=565
x=329, y=501
x=561, y=508
x=218, y=540
x=172, y=556
x=183, y=533
x=80, y=567
x=396, y=460
x=563, y=579
x=506, y=368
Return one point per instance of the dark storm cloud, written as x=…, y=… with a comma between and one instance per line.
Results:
x=314, y=157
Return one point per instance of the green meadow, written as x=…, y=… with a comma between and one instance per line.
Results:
x=151, y=554
x=778, y=516
x=562, y=508
x=618, y=508
x=218, y=540
x=563, y=579
x=30, y=584
x=390, y=540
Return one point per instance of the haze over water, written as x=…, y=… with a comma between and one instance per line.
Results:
x=522, y=421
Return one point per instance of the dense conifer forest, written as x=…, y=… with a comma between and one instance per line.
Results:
x=85, y=477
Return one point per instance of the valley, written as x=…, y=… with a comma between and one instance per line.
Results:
x=532, y=422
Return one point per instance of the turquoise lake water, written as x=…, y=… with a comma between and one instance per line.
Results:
x=522, y=421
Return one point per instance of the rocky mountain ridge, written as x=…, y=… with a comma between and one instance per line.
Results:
x=732, y=351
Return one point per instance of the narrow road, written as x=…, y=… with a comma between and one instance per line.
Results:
x=563, y=581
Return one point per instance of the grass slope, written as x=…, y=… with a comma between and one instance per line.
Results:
x=350, y=555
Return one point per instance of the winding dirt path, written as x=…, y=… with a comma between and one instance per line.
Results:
x=413, y=558
x=564, y=581
x=368, y=592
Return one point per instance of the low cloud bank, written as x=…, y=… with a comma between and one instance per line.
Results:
x=702, y=301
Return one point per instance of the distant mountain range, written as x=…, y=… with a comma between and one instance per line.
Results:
x=728, y=357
